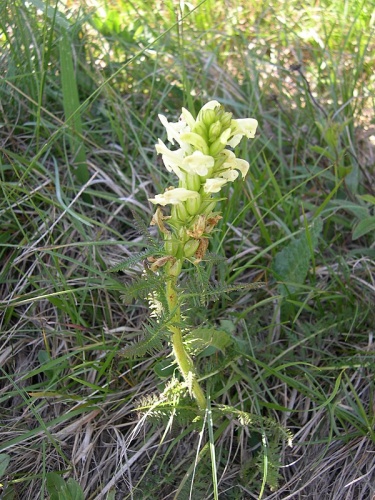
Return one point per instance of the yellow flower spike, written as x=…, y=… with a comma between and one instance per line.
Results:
x=203, y=165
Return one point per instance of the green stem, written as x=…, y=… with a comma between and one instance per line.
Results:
x=183, y=359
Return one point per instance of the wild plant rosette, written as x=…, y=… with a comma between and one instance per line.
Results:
x=203, y=164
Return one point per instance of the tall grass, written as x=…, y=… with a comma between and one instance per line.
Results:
x=80, y=90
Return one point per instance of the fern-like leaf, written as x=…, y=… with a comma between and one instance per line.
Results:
x=142, y=228
x=150, y=344
x=141, y=286
x=136, y=259
x=213, y=291
x=255, y=422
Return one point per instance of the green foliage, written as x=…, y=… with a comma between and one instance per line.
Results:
x=4, y=462
x=206, y=341
x=72, y=108
x=59, y=489
x=151, y=343
x=291, y=264
x=64, y=323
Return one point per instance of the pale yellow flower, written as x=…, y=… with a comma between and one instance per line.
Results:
x=244, y=127
x=171, y=159
x=214, y=185
x=174, y=130
x=198, y=163
x=232, y=162
x=211, y=105
x=174, y=196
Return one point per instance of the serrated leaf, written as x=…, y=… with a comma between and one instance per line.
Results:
x=151, y=342
x=133, y=260
x=363, y=227
x=291, y=264
x=201, y=338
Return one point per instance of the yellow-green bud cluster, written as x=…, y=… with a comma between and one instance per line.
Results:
x=203, y=165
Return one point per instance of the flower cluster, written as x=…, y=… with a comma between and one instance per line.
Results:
x=203, y=165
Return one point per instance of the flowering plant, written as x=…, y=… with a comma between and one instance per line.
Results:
x=203, y=164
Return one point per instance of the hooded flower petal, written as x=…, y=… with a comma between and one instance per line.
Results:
x=211, y=105
x=214, y=185
x=238, y=164
x=188, y=117
x=248, y=127
x=172, y=159
x=198, y=163
x=243, y=127
x=174, y=130
x=174, y=196
x=230, y=175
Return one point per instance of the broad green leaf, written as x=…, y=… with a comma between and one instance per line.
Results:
x=202, y=338
x=291, y=264
x=59, y=489
x=363, y=227
x=324, y=152
x=164, y=368
x=4, y=462
x=368, y=197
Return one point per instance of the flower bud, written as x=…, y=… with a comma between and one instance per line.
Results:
x=193, y=205
x=193, y=182
x=207, y=116
x=216, y=147
x=175, y=268
x=190, y=248
x=171, y=246
x=214, y=132
x=201, y=129
x=226, y=120
x=210, y=207
x=181, y=212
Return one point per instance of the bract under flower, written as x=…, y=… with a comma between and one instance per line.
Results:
x=174, y=196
